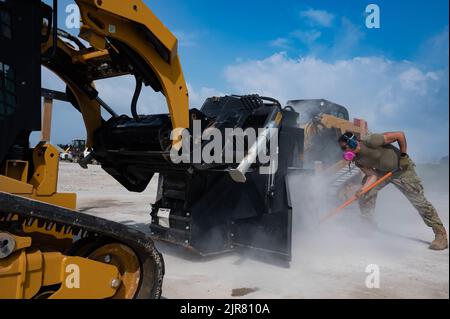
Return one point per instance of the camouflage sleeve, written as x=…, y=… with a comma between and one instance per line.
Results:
x=375, y=140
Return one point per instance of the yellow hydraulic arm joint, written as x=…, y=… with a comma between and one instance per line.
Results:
x=42, y=185
x=158, y=47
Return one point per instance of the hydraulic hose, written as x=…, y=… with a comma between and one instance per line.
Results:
x=135, y=99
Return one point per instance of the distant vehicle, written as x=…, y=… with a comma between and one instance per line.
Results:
x=66, y=156
x=75, y=151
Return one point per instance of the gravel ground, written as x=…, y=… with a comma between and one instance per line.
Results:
x=329, y=261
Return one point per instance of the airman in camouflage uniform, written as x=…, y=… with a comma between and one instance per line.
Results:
x=376, y=156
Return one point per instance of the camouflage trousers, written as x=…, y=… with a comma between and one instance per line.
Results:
x=410, y=185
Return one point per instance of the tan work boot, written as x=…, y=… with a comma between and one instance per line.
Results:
x=441, y=241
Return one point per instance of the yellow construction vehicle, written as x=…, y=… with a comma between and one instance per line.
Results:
x=47, y=249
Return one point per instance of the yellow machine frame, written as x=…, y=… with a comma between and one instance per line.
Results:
x=43, y=183
x=27, y=269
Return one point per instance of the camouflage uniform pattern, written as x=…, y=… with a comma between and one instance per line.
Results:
x=410, y=185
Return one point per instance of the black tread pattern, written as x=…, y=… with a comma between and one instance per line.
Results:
x=86, y=225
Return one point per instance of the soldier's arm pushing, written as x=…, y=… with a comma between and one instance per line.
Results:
x=398, y=137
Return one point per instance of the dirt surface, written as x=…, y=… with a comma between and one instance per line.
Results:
x=329, y=261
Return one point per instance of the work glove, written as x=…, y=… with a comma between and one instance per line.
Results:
x=405, y=162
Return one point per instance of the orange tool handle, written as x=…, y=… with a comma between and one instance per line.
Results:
x=354, y=198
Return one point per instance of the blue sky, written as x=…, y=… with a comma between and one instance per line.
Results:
x=219, y=32
x=396, y=76
x=214, y=34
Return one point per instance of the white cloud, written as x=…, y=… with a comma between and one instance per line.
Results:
x=435, y=51
x=416, y=81
x=346, y=41
x=307, y=37
x=391, y=95
x=318, y=17
x=198, y=97
x=282, y=43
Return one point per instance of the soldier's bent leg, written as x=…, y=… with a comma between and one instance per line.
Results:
x=411, y=186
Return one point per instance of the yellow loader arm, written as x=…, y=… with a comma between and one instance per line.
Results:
x=134, y=24
x=129, y=30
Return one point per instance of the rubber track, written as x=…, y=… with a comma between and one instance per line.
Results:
x=84, y=224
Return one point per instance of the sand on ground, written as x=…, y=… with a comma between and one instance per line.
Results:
x=335, y=260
